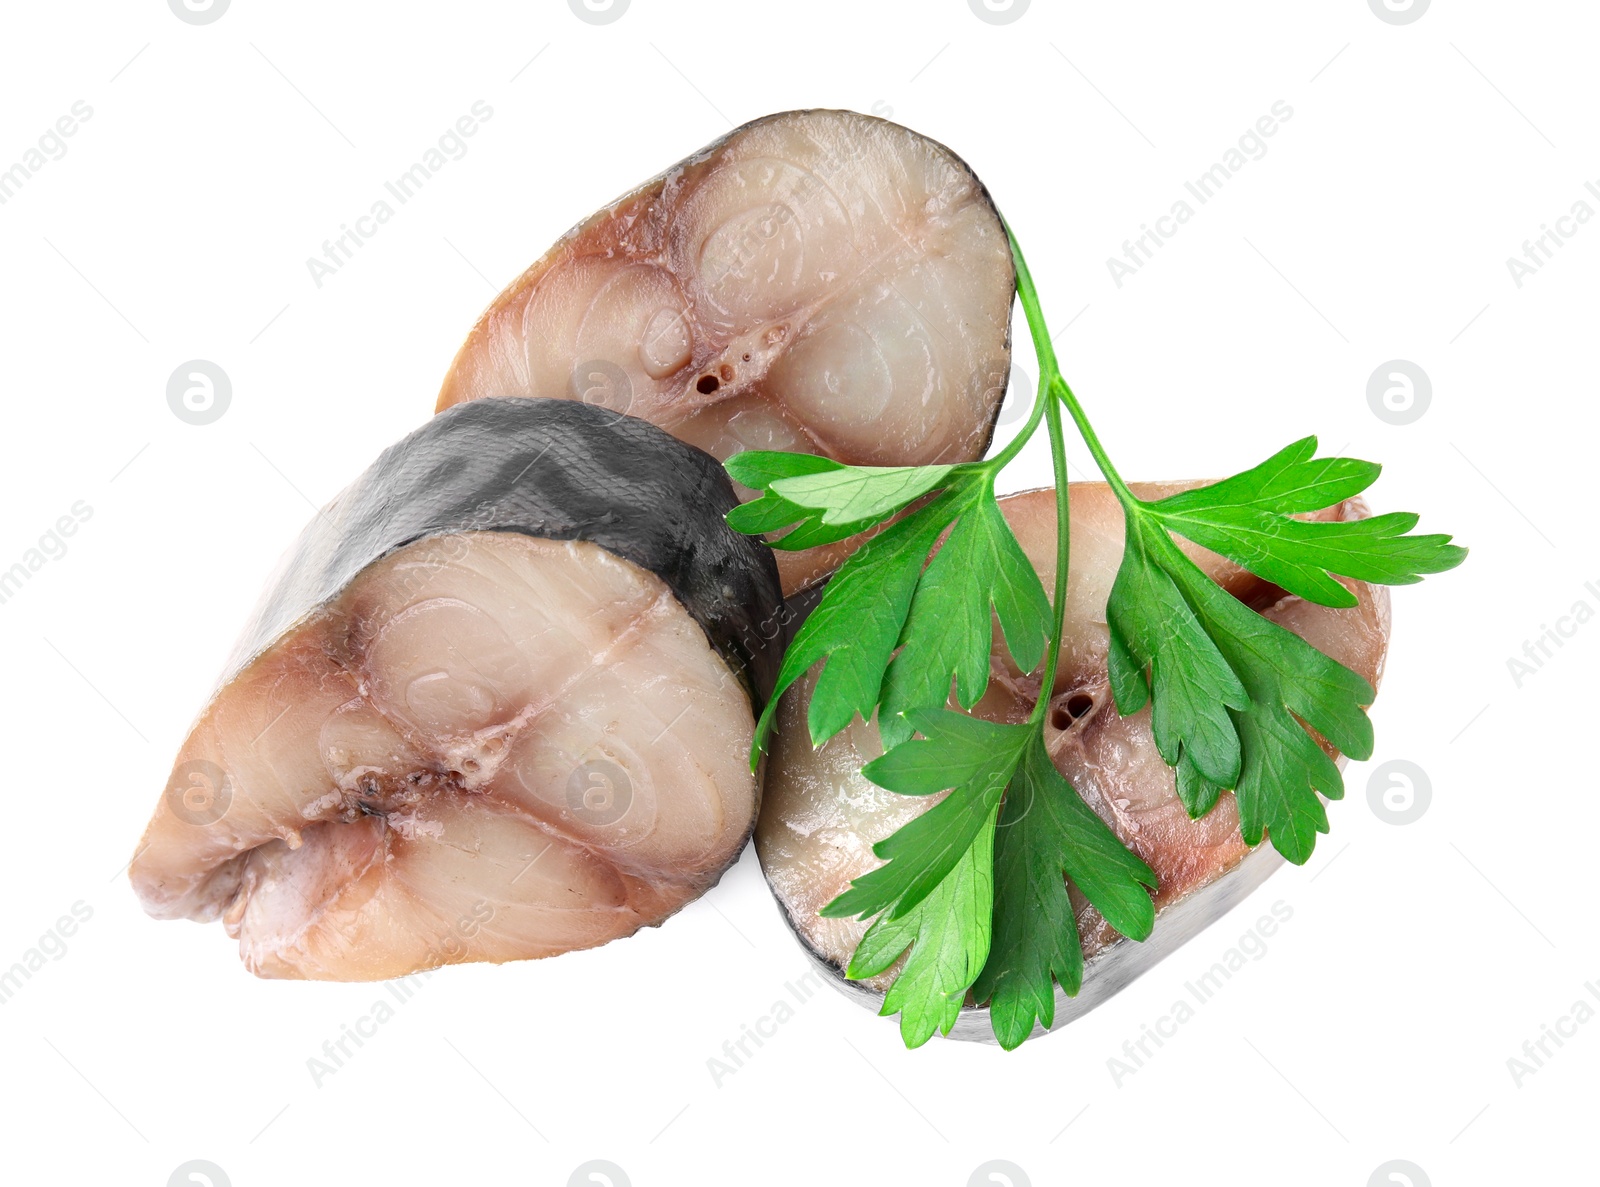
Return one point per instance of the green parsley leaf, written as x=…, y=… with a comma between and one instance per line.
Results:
x=1247, y=518
x=826, y=501
x=947, y=633
x=974, y=758
x=856, y=627
x=1154, y=627
x=1283, y=767
x=1227, y=684
x=851, y=494
x=1046, y=834
x=883, y=599
x=948, y=937
x=759, y=469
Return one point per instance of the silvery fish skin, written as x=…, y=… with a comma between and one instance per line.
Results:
x=820, y=817
x=496, y=704
x=815, y=281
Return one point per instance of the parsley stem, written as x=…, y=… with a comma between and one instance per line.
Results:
x=998, y=462
x=1058, y=457
x=1086, y=431
x=1013, y=447
x=1050, y=377
x=1029, y=296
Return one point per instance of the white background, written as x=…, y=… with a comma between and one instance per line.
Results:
x=1377, y=226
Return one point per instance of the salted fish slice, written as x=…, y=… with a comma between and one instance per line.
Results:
x=821, y=817
x=815, y=281
x=497, y=703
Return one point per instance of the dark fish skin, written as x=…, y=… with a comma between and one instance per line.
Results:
x=557, y=470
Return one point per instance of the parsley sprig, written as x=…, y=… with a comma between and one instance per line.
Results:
x=973, y=892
